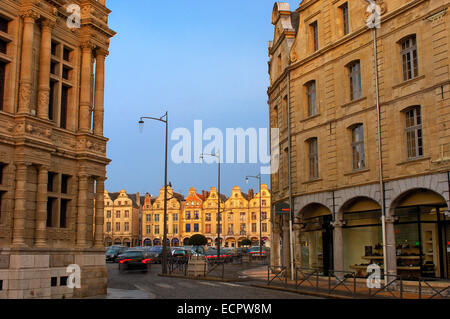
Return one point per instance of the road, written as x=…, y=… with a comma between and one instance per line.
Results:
x=137, y=285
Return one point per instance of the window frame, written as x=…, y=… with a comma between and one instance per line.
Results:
x=416, y=129
x=311, y=98
x=409, y=57
x=354, y=78
x=358, y=146
x=313, y=158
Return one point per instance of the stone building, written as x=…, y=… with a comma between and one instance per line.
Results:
x=52, y=149
x=122, y=225
x=323, y=98
x=197, y=214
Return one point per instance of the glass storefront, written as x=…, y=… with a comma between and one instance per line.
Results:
x=363, y=241
x=316, y=244
x=422, y=241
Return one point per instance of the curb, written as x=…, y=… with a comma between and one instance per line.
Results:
x=303, y=292
x=202, y=278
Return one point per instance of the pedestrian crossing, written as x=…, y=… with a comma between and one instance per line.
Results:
x=154, y=288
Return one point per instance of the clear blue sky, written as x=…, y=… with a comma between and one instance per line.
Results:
x=200, y=60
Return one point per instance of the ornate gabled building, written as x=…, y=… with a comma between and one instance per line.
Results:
x=364, y=139
x=52, y=149
x=122, y=225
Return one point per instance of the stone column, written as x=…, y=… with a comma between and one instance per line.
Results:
x=44, y=69
x=286, y=246
x=99, y=213
x=338, y=246
x=85, y=87
x=83, y=185
x=26, y=62
x=18, y=238
x=391, y=252
x=40, y=234
x=99, y=91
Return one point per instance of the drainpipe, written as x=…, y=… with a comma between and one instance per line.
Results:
x=380, y=158
x=291, y=214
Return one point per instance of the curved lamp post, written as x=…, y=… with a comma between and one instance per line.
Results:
x=164, y=119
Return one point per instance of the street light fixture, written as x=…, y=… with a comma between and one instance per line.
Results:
x=218, y=199
x=260, y=209
x=164, y=119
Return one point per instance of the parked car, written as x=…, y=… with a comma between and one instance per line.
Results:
x=156, y=252
x=211, y=254
x=114, y=251
x=237, y=253
x=256, y=251
x=134, y=260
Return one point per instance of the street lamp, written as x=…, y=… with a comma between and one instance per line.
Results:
x=165, y=120
x=218, y=199
x=260, y=209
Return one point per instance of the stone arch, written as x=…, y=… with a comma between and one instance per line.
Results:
x=117, y=241
x=314, y=210
x=147, y=242
x=324, y=199
x=345, y=196
x=108, y=241
x=437, y=183
x=186, y=241
x=404, y=195
x=356, y=200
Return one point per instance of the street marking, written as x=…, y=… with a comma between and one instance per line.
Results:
x=231, y=285
x=150, y=293
x=208, y=284
x=165, y=286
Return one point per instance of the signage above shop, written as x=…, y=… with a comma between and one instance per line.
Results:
x=282, y=208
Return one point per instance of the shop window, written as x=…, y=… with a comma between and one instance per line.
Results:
x=410, y=66
x=414, y=137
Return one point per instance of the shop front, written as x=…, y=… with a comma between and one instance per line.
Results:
x=316, y=238
x=362, y=236
x=422, y=236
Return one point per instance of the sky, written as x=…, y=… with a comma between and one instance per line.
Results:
x=199, y=60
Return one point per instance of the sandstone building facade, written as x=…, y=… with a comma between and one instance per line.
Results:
x=197, y=214
x=52, y=149
x=323, y=98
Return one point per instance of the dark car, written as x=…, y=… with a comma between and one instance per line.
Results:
x=156, y=253
x=237, y=253
x=114, y=251
x=211, y=254
x=134, y=260
x=258, y=252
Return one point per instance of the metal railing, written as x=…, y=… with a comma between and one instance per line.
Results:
x=277, y=272
x=436, y=293
x=345, y=279
x=307, y=277
x=393, y=288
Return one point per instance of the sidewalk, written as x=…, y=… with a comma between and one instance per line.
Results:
x=349, y=288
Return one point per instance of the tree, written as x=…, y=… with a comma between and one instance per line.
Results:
x=246, y=242
x=198, y=240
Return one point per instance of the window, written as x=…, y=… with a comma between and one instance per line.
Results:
x=230, y=217
x=108, y=227
x=314, y=35
x=254, y=228
x=345, y=20
x=196, y=216
x=61, y=83
x=242, y=217
x=2, y=83
x=175, y=217
x=264, y=203
x=263, y=215
x=196, y=228
x=354, y=74
x=264, y=227
x=313, y=157
x=117, y=226
x=279, y=65
x=54, y=281
x=63, y=213
x=208, y=217
x=156, y=229
x=127, y=226
x=147, y=229
x=148, y=218
x=188, y=215
x=414, y=138
x=358, y=154
x=2, y=167
x=208, y=228
x=127, y=214
x=242, y=229
x=175, y=229
x=156, y=217
x=409, y=58
x=51, y=182
x=253, y=216
x=188, y=228
x=63, y=281
x=230, y=229
x=118, y=214
x=2, y=195
x=108, y=214
x=311, y=98
x=51, y=203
